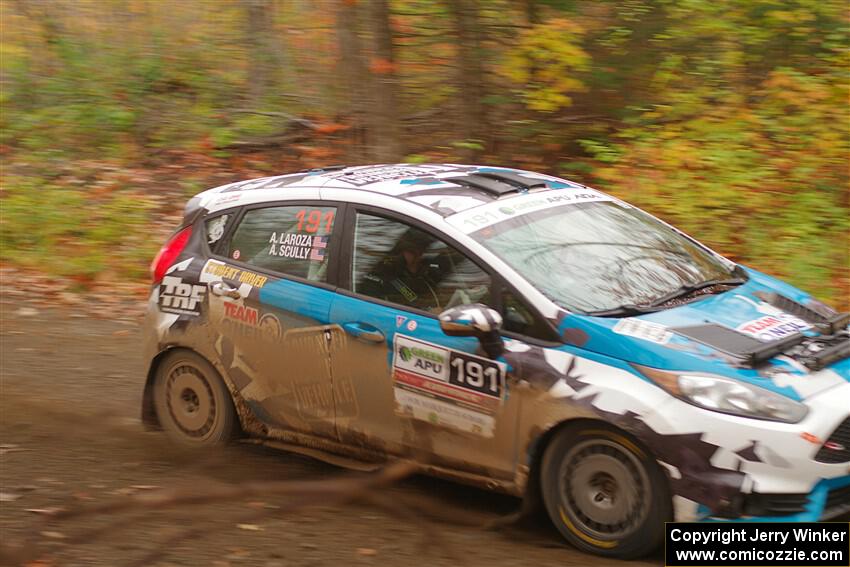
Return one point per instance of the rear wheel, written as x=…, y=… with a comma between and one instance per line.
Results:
x=605, y=492
x=192, y=403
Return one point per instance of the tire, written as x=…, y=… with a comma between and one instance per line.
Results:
x=605, y=492
x=192, y=403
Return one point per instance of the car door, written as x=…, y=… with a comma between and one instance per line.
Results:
x=418, y=391
x=269, y=305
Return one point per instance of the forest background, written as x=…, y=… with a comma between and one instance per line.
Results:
x=728, y=119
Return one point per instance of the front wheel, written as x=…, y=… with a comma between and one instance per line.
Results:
x=605, y=492
x=192, y=403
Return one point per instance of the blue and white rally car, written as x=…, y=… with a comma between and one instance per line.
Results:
x=507, y=329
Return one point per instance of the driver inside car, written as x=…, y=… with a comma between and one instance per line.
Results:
x=404, y=276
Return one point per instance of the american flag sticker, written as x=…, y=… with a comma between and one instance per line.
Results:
x=318, y=251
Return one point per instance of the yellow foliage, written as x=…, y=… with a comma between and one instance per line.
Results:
x=545, y=62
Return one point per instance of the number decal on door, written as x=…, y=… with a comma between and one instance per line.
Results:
x=445, y=387
x=482, y=376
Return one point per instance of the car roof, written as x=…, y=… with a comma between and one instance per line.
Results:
x=443, y=188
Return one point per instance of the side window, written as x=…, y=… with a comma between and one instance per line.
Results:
x=517, y=318
x=396, y=262
x=292, y=240
x=215, y=228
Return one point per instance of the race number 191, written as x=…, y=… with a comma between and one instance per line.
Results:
x=479, y=375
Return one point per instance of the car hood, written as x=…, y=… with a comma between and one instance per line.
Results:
x=652, y=340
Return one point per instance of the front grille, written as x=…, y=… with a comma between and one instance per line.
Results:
x=775, y=504
x=837, y=502
x=839, y=452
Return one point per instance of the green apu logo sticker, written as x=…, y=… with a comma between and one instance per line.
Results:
x=407, y=353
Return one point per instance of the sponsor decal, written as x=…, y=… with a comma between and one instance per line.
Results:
x=399, y=319
x=248, y=320
x=411, y=325
x=490, y=214
x=389, y=173
x=773, y=327
x=270, y=327
x=223, y=271
x=420, y=358
x=447, y=387
x=440, y=413
x=324, y=400
x=229, y=198
x=215, y=228
x=298, y=246
x=180, y=298
x=241, y=313
x=646, y=330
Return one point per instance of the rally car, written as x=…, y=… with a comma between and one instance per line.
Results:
x=507, y=329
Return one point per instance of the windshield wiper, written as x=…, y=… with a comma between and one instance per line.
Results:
x=656, y=305
x=623, y=311
x=688, y=289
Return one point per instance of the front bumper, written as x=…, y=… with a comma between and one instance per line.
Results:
x=760, y=470
x=829, y=500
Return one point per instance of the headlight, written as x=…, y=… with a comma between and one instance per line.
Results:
x=728, y=396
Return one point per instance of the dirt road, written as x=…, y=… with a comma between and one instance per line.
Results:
x=70, y=437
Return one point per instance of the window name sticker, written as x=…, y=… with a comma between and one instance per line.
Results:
x=487, y=215
x=298, y=246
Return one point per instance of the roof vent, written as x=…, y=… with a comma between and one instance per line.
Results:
x=497, y=184
x=515, y=179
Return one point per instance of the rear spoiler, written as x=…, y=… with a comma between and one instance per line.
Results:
x=192, y=211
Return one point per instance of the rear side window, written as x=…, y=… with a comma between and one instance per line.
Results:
x=292, y=240
x=215, y=228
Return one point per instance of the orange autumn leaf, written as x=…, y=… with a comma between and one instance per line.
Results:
x=330, y=128
x=381, y=66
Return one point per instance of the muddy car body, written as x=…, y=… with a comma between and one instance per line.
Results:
x=502, y=328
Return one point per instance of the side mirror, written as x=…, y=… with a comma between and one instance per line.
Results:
x=475, y=320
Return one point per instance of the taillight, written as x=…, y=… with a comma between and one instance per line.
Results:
x=168, y=253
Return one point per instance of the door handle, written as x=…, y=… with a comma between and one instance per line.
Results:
x=222, y=289
x=364, y=332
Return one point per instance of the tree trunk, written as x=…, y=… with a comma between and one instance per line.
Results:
x=470, y=81
x=262, y=51
x=351, y=69
x=385, y=116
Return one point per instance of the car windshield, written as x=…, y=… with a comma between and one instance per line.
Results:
x=600, y=256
